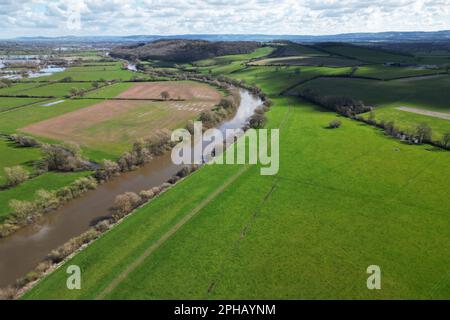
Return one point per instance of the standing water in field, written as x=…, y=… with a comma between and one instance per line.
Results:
x=131, y=67
x=22, y=251
x=42, y=72
x=46, y=71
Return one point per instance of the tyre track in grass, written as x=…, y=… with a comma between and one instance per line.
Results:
x=235, y=248
x=136, y=263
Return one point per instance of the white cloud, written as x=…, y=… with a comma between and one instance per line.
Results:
x=120, y=17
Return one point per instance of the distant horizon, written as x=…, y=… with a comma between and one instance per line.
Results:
x=223, y=34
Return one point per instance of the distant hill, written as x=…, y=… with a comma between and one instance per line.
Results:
x=346, y=37
x=183, y=50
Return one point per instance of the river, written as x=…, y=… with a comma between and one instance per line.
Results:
x=22, y=251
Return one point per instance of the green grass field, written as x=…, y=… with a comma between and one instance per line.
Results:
x=386, y=73
x=14, y=156
x=57, y=89
x=228, y=64
x=110, y=91
x=17, y=89
x=324, y=61
x=44, y=90
x=258, y=53
x=88, y=74
x=296, y=49
x=274, y=80
x=367, y=54
x=343, y=200
x=373, y=202
x=386, y=96
x=7, y=103
x=12, y=121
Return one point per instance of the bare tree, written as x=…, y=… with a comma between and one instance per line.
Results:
x=446, y=140
x=423, y=132
x=165, y=95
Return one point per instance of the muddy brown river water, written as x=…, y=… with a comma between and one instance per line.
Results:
x=22, y=251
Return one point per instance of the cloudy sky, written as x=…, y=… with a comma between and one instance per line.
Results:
x=166, y=17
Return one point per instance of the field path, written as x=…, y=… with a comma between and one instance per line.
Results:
x=440, y=115
x=114, y=283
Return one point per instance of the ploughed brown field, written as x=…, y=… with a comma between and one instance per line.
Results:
x=112, y=125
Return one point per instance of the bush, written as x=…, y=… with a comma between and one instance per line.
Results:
x=257, y=120
x=22, y=209
x=86, y=183
x=7, y=228
x=65, y=194
x=102, y=226
x=140, y=153
x=343, y=105
x=107, y=171
x=226, y=103
x=15, y=175
x=446, y=140
x=126, y=162
x=424, y=132
x=24, y=141
x=165, y=95
x=334, y=124
x=125, y=203
x=146, y=195
x=43, y=266
x=62, y=158
x=208, y=119
x=158, y=144
x=46, y=200
x=66, y=79
x=8, y=293
x=164, y=186
x=372, y=118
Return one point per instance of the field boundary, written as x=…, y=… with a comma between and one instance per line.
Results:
x=26, y=105
x=347, y=76
x=131, y=99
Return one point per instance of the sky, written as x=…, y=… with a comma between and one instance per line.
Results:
x=169, y=17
